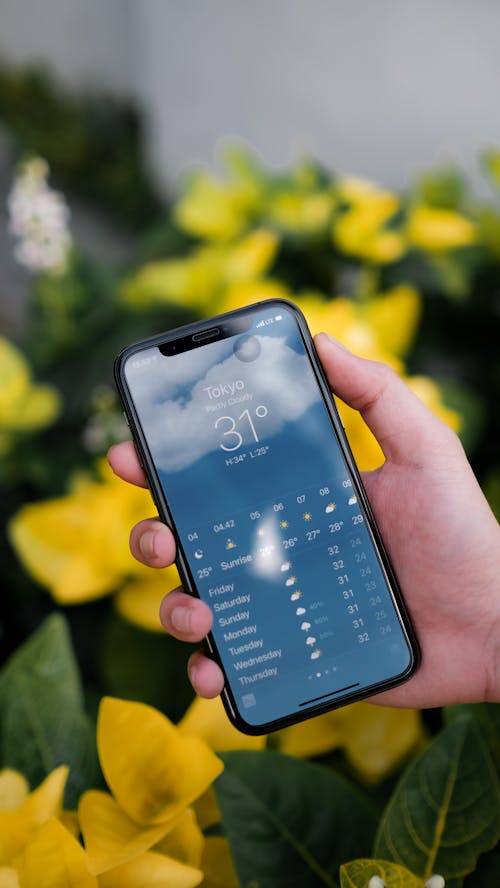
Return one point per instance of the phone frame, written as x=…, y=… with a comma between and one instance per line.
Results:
x=159, y=500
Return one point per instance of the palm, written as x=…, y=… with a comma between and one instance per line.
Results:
x=432, y=522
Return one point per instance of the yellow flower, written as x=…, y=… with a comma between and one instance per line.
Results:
x=151, y=869
x=242, y=293
x=435, y=229
x=208, y=720
x=380, y=329
x=201, y=277
x=360, y=231
x=300, y=213
x=367, y=328
x=53, y=857
x=21, y=812
x=216, y=210
x=24, y=406
x=77, y=545
x=154, y=772
x=138, y=599
x=375, y=739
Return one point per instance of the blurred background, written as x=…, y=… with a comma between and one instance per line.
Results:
x=162, y=161
x=379, y=90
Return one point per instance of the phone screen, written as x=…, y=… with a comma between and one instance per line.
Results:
x=269, y=518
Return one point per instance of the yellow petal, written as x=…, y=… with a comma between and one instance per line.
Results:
x=14, y=789
x=214, y=210
x=9, y=877
x=54, y=859
x=38, y=408
x=207, y=809
x=251, y=256
x=46, y=800
x=394, y=317
x=151, y=870
x=375, y=739
x=357, y=874
x=15, y=376
x=138, y=600
x=207, y=719
x=365, y=447
x=241, y=293
x=301, y=213
x=436, y=229
x=153, y=769
x=71, y=545
x=111, y=837
x=190, y=281
x=217, y=864
x=184, y=841
x=16, y=827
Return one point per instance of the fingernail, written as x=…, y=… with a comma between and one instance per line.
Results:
x=336, y=342
x=181, y=619
x=147, y=544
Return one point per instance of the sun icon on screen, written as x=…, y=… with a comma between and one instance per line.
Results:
x=283, y=524
x=307, y=516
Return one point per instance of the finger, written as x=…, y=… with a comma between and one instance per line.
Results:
x=205, y=675
x=152, y=543
x=124, y=461
x=185, y=617
x=404, y=427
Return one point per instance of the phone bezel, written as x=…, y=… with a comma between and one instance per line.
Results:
x=185, y=573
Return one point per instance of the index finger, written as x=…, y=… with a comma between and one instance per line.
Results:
x=124, y=461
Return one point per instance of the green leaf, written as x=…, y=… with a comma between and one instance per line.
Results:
x=146, y=667
x=490, y=161
x=487, y=874
x=358, y=873
x=445, y=811
x=290, y=822
x=42, y=720
x=487, y=716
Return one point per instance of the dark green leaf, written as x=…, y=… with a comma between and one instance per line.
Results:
x=487, y=716
x=445, y=811
x=143, y=666
x=290, y=822
x=42, y=720
x=487, y=873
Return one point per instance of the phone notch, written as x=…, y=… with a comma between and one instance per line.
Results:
x=231, y=327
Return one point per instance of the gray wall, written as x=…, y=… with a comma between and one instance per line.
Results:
x=374, y=87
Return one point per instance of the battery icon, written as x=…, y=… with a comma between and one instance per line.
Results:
x=278, y=318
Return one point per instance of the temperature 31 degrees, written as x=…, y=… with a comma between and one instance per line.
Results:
x=233, y=430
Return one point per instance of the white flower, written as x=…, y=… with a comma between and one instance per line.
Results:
x=38, y=219
x=435, y=881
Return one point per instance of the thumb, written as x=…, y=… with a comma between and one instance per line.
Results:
x=408, y=433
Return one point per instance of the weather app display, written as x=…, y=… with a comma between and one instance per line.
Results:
x=270, y=522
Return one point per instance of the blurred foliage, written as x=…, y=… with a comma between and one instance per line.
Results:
x=93, y=143
x=412, y=279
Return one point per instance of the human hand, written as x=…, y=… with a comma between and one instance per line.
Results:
x=441, y=536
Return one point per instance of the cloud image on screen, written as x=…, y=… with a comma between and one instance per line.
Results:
x=182, y=430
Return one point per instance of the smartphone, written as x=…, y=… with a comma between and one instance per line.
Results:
x=248, y=463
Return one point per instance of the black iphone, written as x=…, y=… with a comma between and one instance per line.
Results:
x=248, y=463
